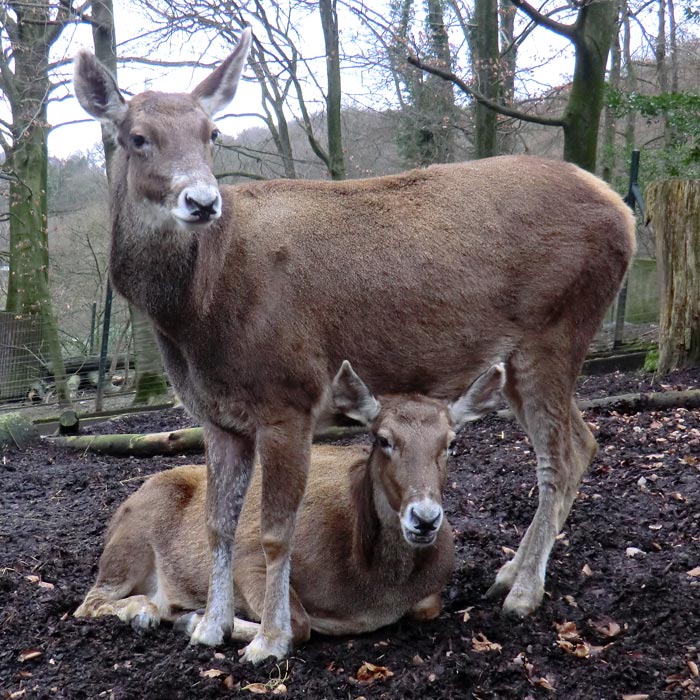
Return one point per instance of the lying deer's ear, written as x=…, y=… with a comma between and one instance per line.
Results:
x=352, y=397
x=217, y=90
x=97, y=91
x=482, y=397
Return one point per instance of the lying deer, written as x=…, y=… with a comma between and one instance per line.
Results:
x=423, y=280
x=371, y=543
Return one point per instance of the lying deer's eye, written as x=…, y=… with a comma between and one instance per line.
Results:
x=215, y=135
x=383, y=442
x=138, y=141
x=451, y=447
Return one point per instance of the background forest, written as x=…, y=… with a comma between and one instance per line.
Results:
x=335, y=89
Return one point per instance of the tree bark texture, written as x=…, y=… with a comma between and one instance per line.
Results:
x=673, y=207
x=28, y=289
x=485, y=59
x=329, y=22
x=594, y=31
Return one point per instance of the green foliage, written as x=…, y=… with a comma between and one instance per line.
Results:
x=651, y=361
x=681, y=110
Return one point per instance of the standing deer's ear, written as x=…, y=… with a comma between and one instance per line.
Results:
x=352, y=397
x=217, y=90
x=97, y=91
x=482, y=397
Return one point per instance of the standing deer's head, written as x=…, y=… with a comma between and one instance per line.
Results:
x=412, y=437
x=166, y=139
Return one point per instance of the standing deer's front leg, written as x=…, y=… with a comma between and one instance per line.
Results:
x=285, y=451
x=229, y=466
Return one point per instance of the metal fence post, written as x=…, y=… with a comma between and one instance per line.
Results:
x=103, y=348
x=632, y=198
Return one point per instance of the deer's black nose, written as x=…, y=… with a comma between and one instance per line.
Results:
x=202, y=210
x=425, y=519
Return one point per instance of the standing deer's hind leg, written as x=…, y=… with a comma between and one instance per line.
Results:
x=229, y=466
x=564, y=448
x=284, y=454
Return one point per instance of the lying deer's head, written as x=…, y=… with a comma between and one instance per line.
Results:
x=412, y=437
x=167, y=139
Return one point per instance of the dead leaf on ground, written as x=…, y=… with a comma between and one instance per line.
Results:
x=29, y=654
x=581, y=650
x=637, y=696
x=258, y=688
x=369, y=673
x=605, y=627
x=694, y=572
x=545, y=683
x=587, y=571
x=211, y=673
x=567, y=630
x=481, y=643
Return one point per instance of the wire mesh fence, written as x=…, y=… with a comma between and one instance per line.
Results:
x=26, y=375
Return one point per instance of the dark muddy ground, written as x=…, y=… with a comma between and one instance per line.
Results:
x=612, y=625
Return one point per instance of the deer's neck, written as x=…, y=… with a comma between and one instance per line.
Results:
x=169, y=274
x=379, y=545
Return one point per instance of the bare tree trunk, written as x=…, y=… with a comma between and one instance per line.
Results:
x=329, y=22
x=27, y=90
x=595, y=27
x=508, y=65
x=630, y=81
x=485, y=60
x=150, y=381
x=609, y=120
x=673, y=207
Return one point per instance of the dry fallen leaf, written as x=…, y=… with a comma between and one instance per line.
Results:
x=481, y=643
x=228, y=683
x=545, y=683
x=32, y=578
x=259, y=688
x=279, y=689
x=605, y=627
x=29, y=654
x=694, y=572
x=693, y=668
x=211, y=673
x=581, y=650
x=369, y=673
x=567, y=630
x=46, y=584
x=587, y=571
x=638, y=696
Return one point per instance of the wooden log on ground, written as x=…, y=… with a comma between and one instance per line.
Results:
x=192, y=440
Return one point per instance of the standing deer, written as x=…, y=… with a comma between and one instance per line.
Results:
x=422, y=280
x=371, y=543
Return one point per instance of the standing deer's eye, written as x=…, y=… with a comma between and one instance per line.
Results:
x=138, y=140
x=215, y=135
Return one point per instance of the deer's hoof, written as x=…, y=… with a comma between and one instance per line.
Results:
x=262, y=648
x=523, y=601
x=187, y=623
x=145, y=620
x=505, y=578
x=207, y=633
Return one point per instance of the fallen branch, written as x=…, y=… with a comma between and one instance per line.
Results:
x=166, y=443
x=191, y=439
x=630, y=403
